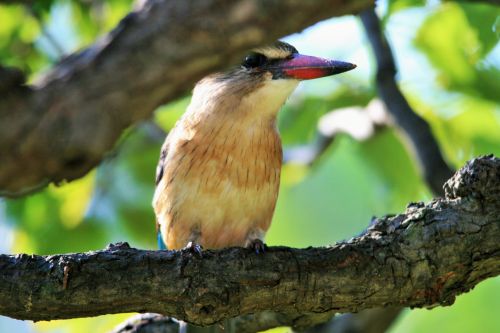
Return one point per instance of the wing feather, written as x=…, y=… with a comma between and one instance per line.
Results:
x=161, y=163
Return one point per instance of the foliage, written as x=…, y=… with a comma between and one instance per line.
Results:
x=449, y=65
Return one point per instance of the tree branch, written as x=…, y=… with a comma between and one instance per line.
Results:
x=63, y=126
x=423, y=257
x=431, y=161
x=16, y=2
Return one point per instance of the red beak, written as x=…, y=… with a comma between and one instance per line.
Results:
x=303, y=67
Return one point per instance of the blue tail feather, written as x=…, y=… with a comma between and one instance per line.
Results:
x=161, y=244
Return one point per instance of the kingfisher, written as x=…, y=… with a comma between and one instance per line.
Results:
x=218, y=175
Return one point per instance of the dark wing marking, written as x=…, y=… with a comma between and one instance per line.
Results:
x=161, y=163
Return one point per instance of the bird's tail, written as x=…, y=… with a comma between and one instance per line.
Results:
x=161, y=244
x=159, y=238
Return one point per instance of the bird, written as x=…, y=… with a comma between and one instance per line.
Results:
x=218, y=174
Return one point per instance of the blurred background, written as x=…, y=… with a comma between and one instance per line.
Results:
x=345, y=161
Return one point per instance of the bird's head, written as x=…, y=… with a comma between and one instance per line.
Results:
x=265, y=78
x=282, y=61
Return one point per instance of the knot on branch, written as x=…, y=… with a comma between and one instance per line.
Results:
x=118, y=246
x=479, y=179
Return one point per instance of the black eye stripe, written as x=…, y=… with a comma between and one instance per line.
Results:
x=254, y=60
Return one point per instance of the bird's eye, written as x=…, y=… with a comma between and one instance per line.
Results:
x=254, y=60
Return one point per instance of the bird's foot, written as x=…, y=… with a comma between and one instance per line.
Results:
x=194, y=248
x=257, y=245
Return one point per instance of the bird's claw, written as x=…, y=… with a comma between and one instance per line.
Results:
x=194, y=248
x=258, y=246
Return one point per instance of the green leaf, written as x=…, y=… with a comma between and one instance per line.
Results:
x=397, y=5
x=52, y=221
x=167, y=115
x=483, y=19
x=125, y=186
x=457, y=49
x=337, y=198
x=298, y=119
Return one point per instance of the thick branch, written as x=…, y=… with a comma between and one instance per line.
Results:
x=423, y=257
x=61, y=128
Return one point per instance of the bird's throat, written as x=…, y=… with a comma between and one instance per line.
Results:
x=268, y=99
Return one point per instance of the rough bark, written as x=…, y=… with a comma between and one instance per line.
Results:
x=421, y=258
x=62, y=126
